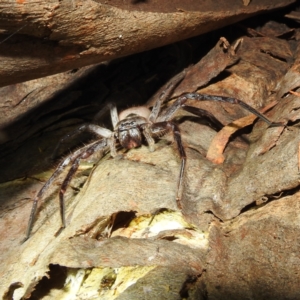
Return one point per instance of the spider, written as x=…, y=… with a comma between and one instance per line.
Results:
x=129, y=128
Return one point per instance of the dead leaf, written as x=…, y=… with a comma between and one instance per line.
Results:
x=216, y=148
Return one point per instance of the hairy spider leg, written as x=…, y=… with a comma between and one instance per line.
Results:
x=113, y=113
x=68, y=136
x=105, y=133
x=165, y=123
x=100, y=131
x=200, y=97
x=96, y=147
x=165, y=95
x=160, y=129
x=61, y=167
x=202, y=112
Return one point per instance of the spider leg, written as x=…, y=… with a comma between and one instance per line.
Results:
x=104, y=132
x=201, y=97
x=165, y=95
x=161, y=128
x=113, y=113
x=98, y=130
x=49, y=182
x=68, y=136
x=202, y=112
x=100, y=146
x=180, y=103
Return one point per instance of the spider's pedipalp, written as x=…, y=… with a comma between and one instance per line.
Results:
x=148, y=136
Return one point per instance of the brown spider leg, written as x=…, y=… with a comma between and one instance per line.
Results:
x=48, y=183
x=169, y=112
x=202, y=112
x=161, y=128
x=86, y=154
x=165, y=95
x=200, y=97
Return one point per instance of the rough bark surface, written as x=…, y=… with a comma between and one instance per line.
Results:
x=256, y=256
x=56, y=36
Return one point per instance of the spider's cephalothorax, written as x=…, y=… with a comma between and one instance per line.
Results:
x=129, y=127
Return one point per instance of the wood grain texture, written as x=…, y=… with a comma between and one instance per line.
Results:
x=55, y=36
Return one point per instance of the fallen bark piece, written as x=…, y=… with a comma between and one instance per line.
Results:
x=196, y=76
x=256, y=256
x=211, y=65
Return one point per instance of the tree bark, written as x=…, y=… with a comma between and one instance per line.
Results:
x=55, y=36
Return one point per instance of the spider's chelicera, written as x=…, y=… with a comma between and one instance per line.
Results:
x=129, y=128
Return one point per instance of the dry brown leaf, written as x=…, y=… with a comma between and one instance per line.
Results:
x=217, y=146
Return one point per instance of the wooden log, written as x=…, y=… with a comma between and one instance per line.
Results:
x=55, y=36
